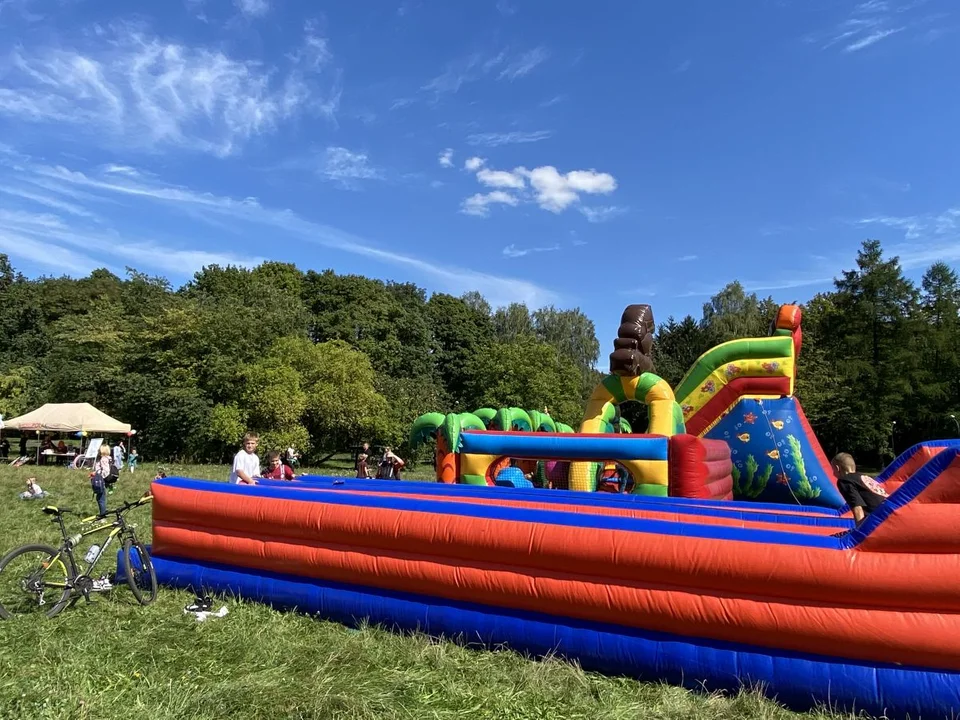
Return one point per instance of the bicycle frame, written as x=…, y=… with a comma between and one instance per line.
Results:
x=116, y=527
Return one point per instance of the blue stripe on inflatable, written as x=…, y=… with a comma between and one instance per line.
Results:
x=905, y=456
x=553, y=498
x=569, y=496
x=573, y=447
x=797, y=680
x=498, y=512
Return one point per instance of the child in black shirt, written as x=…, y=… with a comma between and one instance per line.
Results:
x=861, y=492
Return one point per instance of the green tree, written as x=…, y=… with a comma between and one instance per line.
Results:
x=459, y=332
x=528, y=374
x=871, y=331
x=734, y=313
x=512, y=322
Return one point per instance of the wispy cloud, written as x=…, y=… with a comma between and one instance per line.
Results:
x=550, y=189
x=242, y=216
x=927, y=238
x=512, y=251
x=346, y=167
x=478, y=204
x=687, y=258
x=525, y=64
x=555, y=100
x=515, y=137
x=253, y=8
x=602, y=213
x=135, y=90
x=683, y=67
x=446, y=158
x=506, y=8
x=873, y=21
x=478, y=66
x=49, y=201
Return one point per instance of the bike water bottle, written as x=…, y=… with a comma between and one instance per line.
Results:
x=92, y=553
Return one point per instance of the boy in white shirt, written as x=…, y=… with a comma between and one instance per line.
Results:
x=246, y=463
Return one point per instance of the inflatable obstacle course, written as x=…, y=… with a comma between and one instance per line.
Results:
x=710, y=594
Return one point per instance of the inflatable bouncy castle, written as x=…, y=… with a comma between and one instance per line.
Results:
x=708, y=594
x=673, y=582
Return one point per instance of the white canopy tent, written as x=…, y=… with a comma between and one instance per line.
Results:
x=67, y=418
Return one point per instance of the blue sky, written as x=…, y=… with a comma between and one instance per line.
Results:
x=581, y=154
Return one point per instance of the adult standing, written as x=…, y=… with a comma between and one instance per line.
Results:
x=119, y=452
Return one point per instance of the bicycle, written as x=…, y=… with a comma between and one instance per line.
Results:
x=39, y=569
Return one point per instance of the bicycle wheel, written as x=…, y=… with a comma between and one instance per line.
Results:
x=29, y=574
x=140, y=575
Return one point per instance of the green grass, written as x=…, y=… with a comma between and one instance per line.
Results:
x=114, y=659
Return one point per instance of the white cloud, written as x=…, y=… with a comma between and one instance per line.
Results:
x=479, y=66
x=346, y=167
x=507, y=138
x=553, y=101
x=446, y=158
x=501, y=179
x=602, y=213
x=478, y=204
x=506, y=8
x=550, y=189
x=687, y=258
x=47, y=201
x=524, y=64
x=253, y=8
x=136, y=91
x=238, y=215
x=473, y=164
x=927, y=239
x=870, y=22
x=871, y=39
x=121, y=169
x=512, y=251
x=556, y=191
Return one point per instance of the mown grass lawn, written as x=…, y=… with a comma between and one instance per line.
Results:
x=114, y=659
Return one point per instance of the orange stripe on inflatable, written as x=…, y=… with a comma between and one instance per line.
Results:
x=790, y=573
x=920, y=458
x=855, y=632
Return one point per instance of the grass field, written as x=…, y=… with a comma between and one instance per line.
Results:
x=114, y=659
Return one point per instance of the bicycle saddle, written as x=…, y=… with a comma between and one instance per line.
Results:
x=50, y=510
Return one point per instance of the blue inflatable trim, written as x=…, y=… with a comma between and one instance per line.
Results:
x=562, y=446
x=499, y=512
x=560, y=499
x=798, y=680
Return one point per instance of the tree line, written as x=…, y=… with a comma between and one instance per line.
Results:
x=322, y=361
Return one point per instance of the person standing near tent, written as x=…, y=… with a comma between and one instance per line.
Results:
x=118, y=455
x=23, y=444
x=98, y=480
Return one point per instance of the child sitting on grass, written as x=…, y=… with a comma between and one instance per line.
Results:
x=33, y=490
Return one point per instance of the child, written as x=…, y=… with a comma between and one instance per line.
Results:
x=394, y=460
x=33, y=490
x=132, y=460
x=276, y=470
x=246, y=463
x=362, y=471
x=861, y=492
x=98, y=479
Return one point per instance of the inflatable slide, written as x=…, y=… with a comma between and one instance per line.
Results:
x=699, y=592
